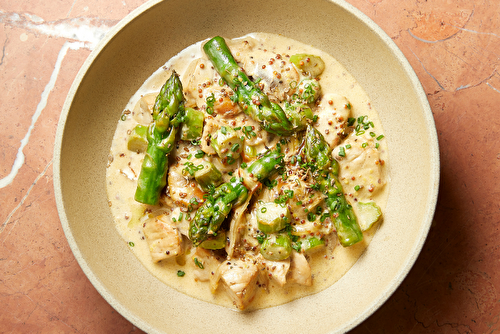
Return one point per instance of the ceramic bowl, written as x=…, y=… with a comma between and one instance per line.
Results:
x=140, y=44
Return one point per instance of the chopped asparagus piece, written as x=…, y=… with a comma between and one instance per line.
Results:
x=249, y=153
x=313, y=244
x=312, y=65
x=309, y=90
x=193, y=124
x=209, y=175
x=272, y=217
x=276, y=248
x=227, y=143
x=138, y=139
x=217, y=242
x=368, y=214
x=298, y=114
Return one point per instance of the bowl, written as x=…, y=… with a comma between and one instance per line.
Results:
x=140, y=44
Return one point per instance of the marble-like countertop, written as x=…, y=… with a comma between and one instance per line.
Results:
x=453, y=46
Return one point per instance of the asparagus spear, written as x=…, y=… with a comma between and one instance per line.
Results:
x=219, y=203
x=317, y=153
x=214, y=210
x=168, y=112
x=250, y=98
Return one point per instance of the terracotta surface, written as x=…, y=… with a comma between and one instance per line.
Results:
x=453, y=47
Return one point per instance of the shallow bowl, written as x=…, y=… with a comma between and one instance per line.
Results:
x=140, y=44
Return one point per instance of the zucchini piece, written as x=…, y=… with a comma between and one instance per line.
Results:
x=192, y=127
x=277, y=247
x=217, y=242
x=208, y=175
x=312, y=65
x=272, y=217
x=368, y=214
x=138, y=139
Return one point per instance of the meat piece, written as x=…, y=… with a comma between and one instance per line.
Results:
x=203, y=81
x=163, y=238
x=240, y=279
x=361, y=168
x=277, y=270
x=278, y=77
x=300, y=271
x=333, y=112
x=182, y=187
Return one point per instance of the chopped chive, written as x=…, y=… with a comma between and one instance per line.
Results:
x=180, y=273
x=198, y=263
x=131, y=244
x=348, y=146
x=364, y=145
x=342, y=151
x=223, y=130
x=199, y=154
x=372, y=134
x=243, y=165
x=357, y=188
x=380, y=137
x=377, y=145
x=235, y=147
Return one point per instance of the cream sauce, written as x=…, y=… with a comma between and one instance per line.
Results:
x=327, y=267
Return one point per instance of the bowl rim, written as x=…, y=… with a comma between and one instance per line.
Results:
x=434, y=173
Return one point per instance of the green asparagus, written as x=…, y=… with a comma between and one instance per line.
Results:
x=220, y=201
x=251, y=99
x=168, y=113
x=211, y=214
x=317, y=154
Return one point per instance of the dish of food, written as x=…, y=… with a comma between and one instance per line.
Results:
x=248, y=172
x=140, y=44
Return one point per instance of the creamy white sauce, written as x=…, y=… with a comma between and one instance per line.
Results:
x=124, y=168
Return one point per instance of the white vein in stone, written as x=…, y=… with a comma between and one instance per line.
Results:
x=79, y=29
x=19, y=161
x=21, y=202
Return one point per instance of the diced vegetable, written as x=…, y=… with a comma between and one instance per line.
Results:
x=138, y=139
x=312, y=244
x=249, y=153
x=192, y=127
x=272, y=217
x=312, y=65
x=217, y=242
x=227, y=143
x=368, y=214
x=298, y=114
x=277, y=247
x=207, y=176
x=309, y=90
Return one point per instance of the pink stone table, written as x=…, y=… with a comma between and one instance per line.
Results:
x=454, y=47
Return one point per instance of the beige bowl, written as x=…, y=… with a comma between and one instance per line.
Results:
x=140, y=44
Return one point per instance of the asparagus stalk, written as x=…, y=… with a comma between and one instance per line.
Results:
x=215, y=209
x=168, y=112
x=251, y=99
x=218, y=204
x=317, y=153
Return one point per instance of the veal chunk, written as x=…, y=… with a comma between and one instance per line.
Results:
x=240, y=278
x=163, y=238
